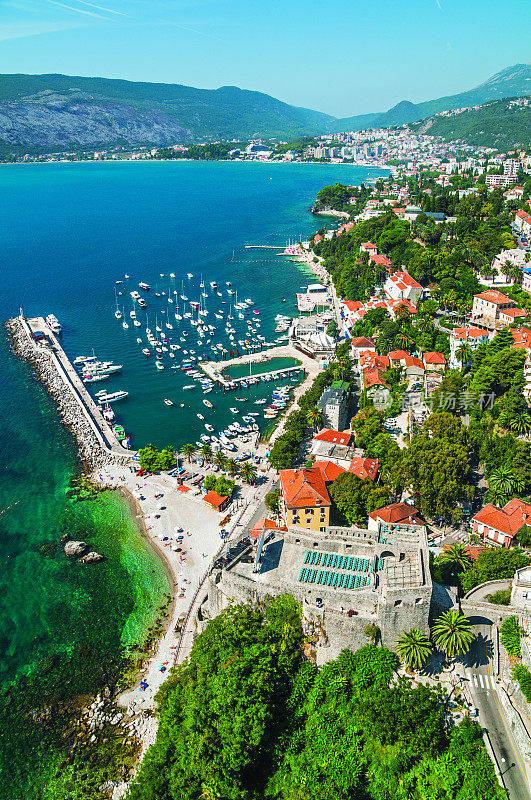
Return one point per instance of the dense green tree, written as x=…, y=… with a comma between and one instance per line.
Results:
x=493, y=565
x=355, y=498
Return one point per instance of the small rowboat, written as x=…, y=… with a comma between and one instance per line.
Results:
x=207, y=403
x=168, y=402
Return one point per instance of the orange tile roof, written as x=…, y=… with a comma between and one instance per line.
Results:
x=329, y=470
x=372, y=377
x=332, y=436
x=398, y=512
x=405, y=278
x=364, y=467
x=270, y=525
x=362, y=341
x=468, y=333
x=434, y=358
x=303, y=487
x=513, y=312
x=508, y=519
x=398, y=355
x=522, y=337
x=352, y=305
x=214, y=499
x=413, y=361
x=492, y=296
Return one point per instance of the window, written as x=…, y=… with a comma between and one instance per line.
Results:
x=322, y=530
x=418, y=601
x=309, y=511
x=398, y=603
x=297, y=541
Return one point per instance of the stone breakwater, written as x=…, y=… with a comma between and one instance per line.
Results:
x=91, y=452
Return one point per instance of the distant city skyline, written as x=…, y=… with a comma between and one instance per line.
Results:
x=342, y=60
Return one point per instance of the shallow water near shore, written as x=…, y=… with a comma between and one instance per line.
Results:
x=68, y=232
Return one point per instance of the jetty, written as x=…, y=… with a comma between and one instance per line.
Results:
x=214, y=369
x=34, y=341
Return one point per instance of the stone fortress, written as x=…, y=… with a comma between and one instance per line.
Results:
x=345, y=579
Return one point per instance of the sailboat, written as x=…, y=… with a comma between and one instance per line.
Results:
x=157, y=326
x=177, y=314
x=124, y=323
x=117, y=313
x=201, y=285
x=183, y=296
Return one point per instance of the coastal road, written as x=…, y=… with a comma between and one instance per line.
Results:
x=478, y=681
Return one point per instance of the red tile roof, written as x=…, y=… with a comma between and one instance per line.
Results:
x=329, y=470
x=364, y=467
x=382, y=260
x=398, y=355
x=270, y=525
x=522, y=337
x=332, y=436
x=352, y=305
x=398, y=512
x=508, y=519
x=214, y=499
x=303, y=487
x=492, y=296
x=362, y=341
x=434, y=358
x=413, y=361
x=514, y=312
x=404, y=277
x=372, y=377
x=468, y=333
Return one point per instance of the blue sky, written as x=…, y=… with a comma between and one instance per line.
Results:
x=342, y=58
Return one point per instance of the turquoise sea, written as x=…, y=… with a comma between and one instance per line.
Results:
x=68, y=233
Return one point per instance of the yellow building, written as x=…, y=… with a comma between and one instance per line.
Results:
x=305, y=499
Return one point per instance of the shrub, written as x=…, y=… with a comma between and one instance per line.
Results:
x=501, y=598
x=523, y=676
x=510, y=636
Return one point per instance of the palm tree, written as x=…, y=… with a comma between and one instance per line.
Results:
x=413, y=647
x=232, y=467
x=188, y=450
x=248, y=472
x=452, y=633
x=520, y=422
x=497, y=497
x=456, y=554
x=206, y=452
x=503, y=481
x=314, y=417
x=464, y=353
x=220, y=459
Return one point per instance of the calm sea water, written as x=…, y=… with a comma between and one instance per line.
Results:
x=68, y=233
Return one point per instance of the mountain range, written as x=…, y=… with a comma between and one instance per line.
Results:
x=510, y=82
x=43, y=113
x=61, y=112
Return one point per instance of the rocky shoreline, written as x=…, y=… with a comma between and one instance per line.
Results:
x=92, y=454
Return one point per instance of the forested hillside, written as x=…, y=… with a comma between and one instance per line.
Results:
x=249, y=718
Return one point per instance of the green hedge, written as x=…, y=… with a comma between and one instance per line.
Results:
x=510, y=636
x=523, y=676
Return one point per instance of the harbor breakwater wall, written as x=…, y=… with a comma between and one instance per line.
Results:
x=72, y=412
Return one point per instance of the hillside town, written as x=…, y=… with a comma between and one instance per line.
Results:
x=404, y=482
